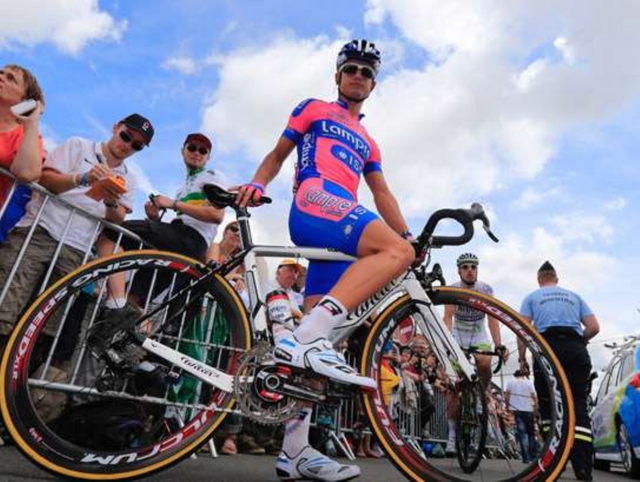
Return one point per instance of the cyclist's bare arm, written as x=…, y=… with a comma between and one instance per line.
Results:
x=448, y=316
x=494, y=329
x=267, y=170
x=386, y=202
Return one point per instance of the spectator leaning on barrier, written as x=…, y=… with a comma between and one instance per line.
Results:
x=189, y=233
x=20, y=142
x=21, y=150
x=566, y=322
x=71, y=171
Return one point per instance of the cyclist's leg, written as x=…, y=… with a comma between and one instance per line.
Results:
x=382, y=255
x=483, y=364
x=324, y=215
x=321, y=276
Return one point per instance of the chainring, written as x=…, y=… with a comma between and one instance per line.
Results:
x=252, y=389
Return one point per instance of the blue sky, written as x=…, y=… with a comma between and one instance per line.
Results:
x=530, y=108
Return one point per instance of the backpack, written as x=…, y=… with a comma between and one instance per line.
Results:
x=108, y=424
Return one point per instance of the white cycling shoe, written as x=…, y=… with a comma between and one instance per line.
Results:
x=310, y=464
x=320, y=357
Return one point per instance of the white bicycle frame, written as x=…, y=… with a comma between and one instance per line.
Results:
x=430, y=323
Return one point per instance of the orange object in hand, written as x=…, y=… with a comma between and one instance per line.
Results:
x=98, y=192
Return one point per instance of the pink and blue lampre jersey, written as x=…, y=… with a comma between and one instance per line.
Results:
x=332, y=144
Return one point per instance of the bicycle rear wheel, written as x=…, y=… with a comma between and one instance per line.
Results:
x=407, y=434
x=75, y=415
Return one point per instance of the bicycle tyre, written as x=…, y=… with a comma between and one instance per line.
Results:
x=470, y=451
x=402, y=451
x=38, y=439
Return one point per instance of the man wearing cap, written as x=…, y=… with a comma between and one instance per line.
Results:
x=70, y=171
x=188, y=233
x=566, y=322
x=283, y=303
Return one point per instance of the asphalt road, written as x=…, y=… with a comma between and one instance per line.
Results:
x=241, y=468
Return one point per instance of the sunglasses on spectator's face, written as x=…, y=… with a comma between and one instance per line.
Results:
x=469, y=266
x=126, y=137
x=193, y=148
x=233, y=229
x=352, y=69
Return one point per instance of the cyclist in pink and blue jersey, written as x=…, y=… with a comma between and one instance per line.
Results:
x=334, y=150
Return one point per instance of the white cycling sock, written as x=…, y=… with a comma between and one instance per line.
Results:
x=319, y=322
x=296, y=433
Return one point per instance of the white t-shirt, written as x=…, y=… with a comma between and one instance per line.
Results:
x=520, y=392
x=76, y=155
x=191, y=193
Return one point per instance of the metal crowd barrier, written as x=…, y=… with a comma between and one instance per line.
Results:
x=49, y=197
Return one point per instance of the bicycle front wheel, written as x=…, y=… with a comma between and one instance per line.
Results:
x=471, y=431
x=414, y=434
x=78, y=415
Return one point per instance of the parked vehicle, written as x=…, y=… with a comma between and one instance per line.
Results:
x=616, y=411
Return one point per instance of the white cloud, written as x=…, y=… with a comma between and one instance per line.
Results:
x=533, y=196
x=69, y=24
x=183, y=64
x=565, y=48
x=616, y=204
x=578, y=226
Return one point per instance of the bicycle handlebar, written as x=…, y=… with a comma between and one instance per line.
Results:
x=464, y=217
x=221, y=198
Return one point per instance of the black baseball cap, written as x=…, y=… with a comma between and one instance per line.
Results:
x=198, y=137
x=140, y=124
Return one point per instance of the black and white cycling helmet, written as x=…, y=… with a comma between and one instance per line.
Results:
x=361, y=50
x=467, y=258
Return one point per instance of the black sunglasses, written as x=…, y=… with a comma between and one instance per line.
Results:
x=351, y=69
x=233, y=228
x=469, y=266
x=126, y=137
x=193, y=148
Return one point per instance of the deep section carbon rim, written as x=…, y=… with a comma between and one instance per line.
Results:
x=146, y=416
x=410, y=433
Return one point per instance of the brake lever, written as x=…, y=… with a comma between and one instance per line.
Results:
x=478, y=213
x=487, y=230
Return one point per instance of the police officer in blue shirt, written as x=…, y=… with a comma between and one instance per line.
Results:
x=567, y=324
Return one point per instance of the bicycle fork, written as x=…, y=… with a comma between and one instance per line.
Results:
x=438, y=335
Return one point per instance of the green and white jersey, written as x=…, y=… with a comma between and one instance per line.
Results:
x=191, y=193
x=469, y=324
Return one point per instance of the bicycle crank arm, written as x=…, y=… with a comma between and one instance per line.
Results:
x=200, y=370
x=301, y=393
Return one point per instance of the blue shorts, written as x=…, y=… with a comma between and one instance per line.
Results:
x=325, y=215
